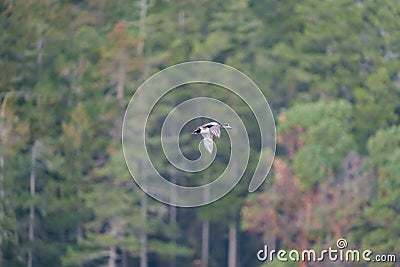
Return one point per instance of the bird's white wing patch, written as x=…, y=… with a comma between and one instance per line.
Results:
x=207, y=135
x=208, y=144
x=215, y=130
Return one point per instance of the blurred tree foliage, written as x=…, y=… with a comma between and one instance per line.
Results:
x=329, y=69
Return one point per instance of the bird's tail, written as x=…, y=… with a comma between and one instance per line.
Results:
x=226, y=126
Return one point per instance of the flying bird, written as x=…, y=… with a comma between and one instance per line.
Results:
x=208, y=131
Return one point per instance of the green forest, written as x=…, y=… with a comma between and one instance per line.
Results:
x=330, y=71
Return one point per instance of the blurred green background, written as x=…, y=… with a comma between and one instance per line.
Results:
x=329, y=69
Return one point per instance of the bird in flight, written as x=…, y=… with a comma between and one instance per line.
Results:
x=208, y=131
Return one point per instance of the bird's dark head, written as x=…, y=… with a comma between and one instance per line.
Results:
x=197, y=131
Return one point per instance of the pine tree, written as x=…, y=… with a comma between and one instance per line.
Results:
x=378, y=226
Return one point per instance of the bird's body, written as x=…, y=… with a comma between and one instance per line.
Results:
x=208, y=131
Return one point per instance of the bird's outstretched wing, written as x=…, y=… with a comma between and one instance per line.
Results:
x=208, y=144
x=216, y=130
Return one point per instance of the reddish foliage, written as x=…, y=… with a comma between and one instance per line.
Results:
x=291, y=140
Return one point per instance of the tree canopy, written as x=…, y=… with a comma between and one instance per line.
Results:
x=329, y=70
